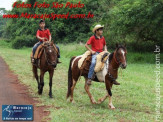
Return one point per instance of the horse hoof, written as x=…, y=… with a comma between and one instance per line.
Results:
x=99, y=101
x=39, y=92
x=50, y=95
x=111, y=107
x=94, y=102
x=72, y=101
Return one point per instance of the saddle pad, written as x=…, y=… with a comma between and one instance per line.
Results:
x=83, y=57
x=100, y=60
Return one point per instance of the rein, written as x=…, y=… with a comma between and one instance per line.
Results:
x=117, y=62
x=114, y=56
x=108, y=73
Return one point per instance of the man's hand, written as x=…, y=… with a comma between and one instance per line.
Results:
x=93, y=52
x=43, y=39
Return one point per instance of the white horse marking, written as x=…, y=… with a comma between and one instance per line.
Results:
x=122, y=51
x=74, y=60
x=101, y=75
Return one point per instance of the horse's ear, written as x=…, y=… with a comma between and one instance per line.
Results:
x=116, y=45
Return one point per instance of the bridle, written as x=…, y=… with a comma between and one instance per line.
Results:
x=47, y=60
x=117, y=62
x=115, y=58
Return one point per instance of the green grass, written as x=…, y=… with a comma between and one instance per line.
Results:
x=134, y=99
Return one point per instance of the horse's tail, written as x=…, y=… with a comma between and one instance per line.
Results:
x=34, y=70
x=70, y=82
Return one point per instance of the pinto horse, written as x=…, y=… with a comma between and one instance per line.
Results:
x=107, y=75
x=48, y=61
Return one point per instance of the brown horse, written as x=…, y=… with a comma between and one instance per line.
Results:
x=107, y=75
x=48, y=61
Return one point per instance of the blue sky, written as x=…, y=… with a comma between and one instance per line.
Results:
x=7, y=4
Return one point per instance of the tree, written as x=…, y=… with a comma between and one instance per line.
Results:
x=137, y=20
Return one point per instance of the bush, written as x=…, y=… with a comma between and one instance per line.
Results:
x=21, y=41
x=146, y=46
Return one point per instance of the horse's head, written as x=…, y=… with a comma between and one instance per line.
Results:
x=50, y=53
x=120, y=55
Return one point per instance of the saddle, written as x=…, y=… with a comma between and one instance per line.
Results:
x=85, y=63
x=40, y=49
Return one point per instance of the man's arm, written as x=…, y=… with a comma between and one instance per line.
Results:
x=93, y=52
x=105, y=48
x=40, y=38
x=50, y=37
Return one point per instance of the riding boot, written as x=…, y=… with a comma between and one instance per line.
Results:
x=34, y=61
x=89, y=81
x=116, y=83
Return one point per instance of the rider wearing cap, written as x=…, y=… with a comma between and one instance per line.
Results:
x=43, y=34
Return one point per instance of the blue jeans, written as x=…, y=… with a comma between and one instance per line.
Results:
x=92, y=66
x=36, y=46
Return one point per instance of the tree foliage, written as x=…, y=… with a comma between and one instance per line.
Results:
x=137, y=22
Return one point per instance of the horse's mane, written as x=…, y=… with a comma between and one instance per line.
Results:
x=111, y=56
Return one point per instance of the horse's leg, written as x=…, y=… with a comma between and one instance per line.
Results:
x=72, y=91
x=41, y=81
x=34, y=68
x=110, y=103
x=108, y=88
x=88, y=92
x=102, y=99
x=50, y=82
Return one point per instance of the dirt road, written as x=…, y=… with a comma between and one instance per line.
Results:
x=12, y=92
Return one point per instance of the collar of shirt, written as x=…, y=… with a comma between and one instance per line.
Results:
x=97, y=37
x=41, y=29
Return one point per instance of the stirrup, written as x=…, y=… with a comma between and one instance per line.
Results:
x=89, y=82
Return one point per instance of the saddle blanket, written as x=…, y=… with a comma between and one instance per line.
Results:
x=100, y=60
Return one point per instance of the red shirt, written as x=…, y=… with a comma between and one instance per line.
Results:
x=96, y=44
x=43, y=34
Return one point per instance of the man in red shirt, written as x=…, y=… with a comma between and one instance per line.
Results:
x=98, y=44
x=43, y=34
